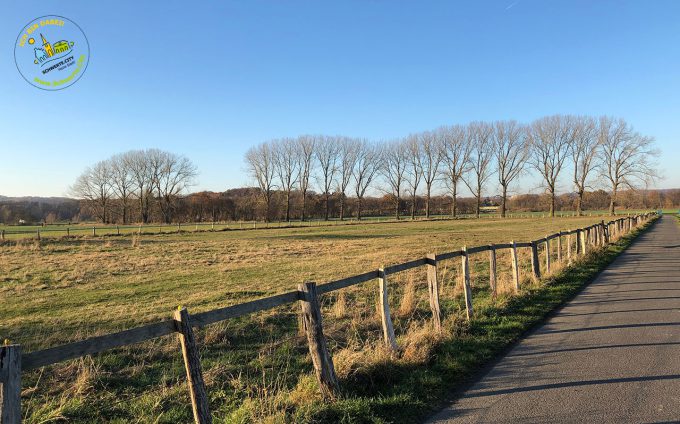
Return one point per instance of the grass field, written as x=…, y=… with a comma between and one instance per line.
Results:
x=16, y=232
x=257, y=369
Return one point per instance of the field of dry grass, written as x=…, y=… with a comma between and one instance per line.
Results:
x=54, y=291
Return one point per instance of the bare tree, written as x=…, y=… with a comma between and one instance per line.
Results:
x=367, y=167
x=122, y=181
x=287, y=167
x=456, y=159
x=327, y=154
x=481, y=155
x=414, y=170
x=584, y=149
x=510, y=150
x=551, y=138
x=261, y=166
x=627, y=157
x=142, y=178
x=175, y=174
x=305, y=150
x=348, y=158
x=394, y=162
x=94, y=187
x=431, y=159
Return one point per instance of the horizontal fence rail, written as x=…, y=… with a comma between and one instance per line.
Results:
x=13, y=361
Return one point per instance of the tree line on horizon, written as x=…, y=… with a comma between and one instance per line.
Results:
x=599, y=152
x=331, y=177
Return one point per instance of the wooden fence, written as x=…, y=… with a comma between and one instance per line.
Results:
x=60, y=230
x=13, y=361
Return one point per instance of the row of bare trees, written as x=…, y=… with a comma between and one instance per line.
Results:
x=600, y=152
x=142, y=182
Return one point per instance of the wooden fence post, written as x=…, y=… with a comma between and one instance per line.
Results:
x=10, y=380
x=38, y=234
x=433, y=289
x=192, y=364
x=535, y=264
x=492, y=271
x=515, y=266
x=547, y=255
x=388, y=329
x=569, y=242
x=584, y=241
x=465, y=265
x=2, y=234
x=94, y=231
x=318, y=349
x=559, y=247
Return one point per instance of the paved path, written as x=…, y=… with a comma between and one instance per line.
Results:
x=611, y=355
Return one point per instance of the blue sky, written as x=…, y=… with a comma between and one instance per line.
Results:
x=209, y=80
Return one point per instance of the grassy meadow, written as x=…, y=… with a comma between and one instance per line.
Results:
x=257, y=367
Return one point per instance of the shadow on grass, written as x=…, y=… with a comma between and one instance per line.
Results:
x=395, y=391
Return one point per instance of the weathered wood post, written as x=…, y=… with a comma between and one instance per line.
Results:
x=94, y=231
x=579, y=249
x=68, y=231
x=465, y=268
x=547, y=255
x=583, y=242
x=559, y=247
x=192, y=364
x=569, y=243
x=38, y=234
x=433, y=290
x=492, y=271
x=10, y=382
x=318, y=349
x=515, y=266
x=535, y=264
x=2, y=234
x=388, y=329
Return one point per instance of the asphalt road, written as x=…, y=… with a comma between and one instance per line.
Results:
x=610, y=355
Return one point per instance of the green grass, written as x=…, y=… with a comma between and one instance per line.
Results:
x=257, y=367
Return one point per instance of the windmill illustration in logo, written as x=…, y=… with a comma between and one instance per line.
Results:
x=49, y=52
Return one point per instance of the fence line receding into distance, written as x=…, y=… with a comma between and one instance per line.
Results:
x=13, y=361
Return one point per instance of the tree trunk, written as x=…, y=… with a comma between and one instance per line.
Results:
x=268, y=201
x=304, y=204
x=579, y=204
x=427, y=202
x=327, y=205
x=342, y=206
x=479, y=204
x=396, y=208
x=413, y=207
x=454, y=206
x=288, y=206
x=552, y=204
x=504, y=200
x=612, y=203
x=358, y=208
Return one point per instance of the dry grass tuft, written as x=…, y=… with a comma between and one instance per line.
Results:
x=408, y=300
x=419, y=342
x=340, y=305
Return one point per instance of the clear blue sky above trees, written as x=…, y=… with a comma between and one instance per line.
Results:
x=209, y=80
